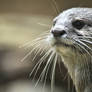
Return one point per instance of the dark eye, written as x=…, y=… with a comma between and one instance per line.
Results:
x=78, y=24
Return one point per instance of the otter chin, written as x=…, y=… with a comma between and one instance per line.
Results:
x=61, y=44
x=71, y=37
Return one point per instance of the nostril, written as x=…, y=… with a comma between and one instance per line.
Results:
x=58, y=33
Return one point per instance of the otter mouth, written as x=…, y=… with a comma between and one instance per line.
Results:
x=65, y=43
x=57, y=42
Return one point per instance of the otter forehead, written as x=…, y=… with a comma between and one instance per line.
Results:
x=73, y=13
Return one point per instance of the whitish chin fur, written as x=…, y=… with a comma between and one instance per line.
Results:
x=59, y=41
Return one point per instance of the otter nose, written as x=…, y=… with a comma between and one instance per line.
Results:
x=58, y=33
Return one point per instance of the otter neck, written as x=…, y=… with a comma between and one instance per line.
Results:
x=83, y=72
x=79, y=68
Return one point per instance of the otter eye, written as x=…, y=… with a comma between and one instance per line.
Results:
x=78, y=24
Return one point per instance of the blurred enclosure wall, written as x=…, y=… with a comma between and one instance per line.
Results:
x=22, y=21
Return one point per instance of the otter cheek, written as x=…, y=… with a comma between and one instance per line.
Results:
x=83, y=32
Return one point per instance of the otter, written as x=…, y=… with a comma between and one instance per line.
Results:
x=71, y=38
x=69, y=41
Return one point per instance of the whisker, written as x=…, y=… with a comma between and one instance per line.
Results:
x=86, y=41
x=59, y=60
x=37, y=46
x=40, y=77
x=87, y=37
x=34, y=41
x=84, y=55
x=47, y=69
x=85, y=45
x=37, y=52
x=53, y=73
x=49, y=60
x=27, y=43
x=78, y=43
x=47, y=73
x=40, y=61
x=42, y=24
x=26, y=56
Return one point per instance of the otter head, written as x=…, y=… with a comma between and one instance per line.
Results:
x=72, y=31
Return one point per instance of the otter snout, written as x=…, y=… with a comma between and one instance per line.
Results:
x=59, y=36
x=58, y=33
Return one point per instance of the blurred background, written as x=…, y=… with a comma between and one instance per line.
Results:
x=22, y=21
